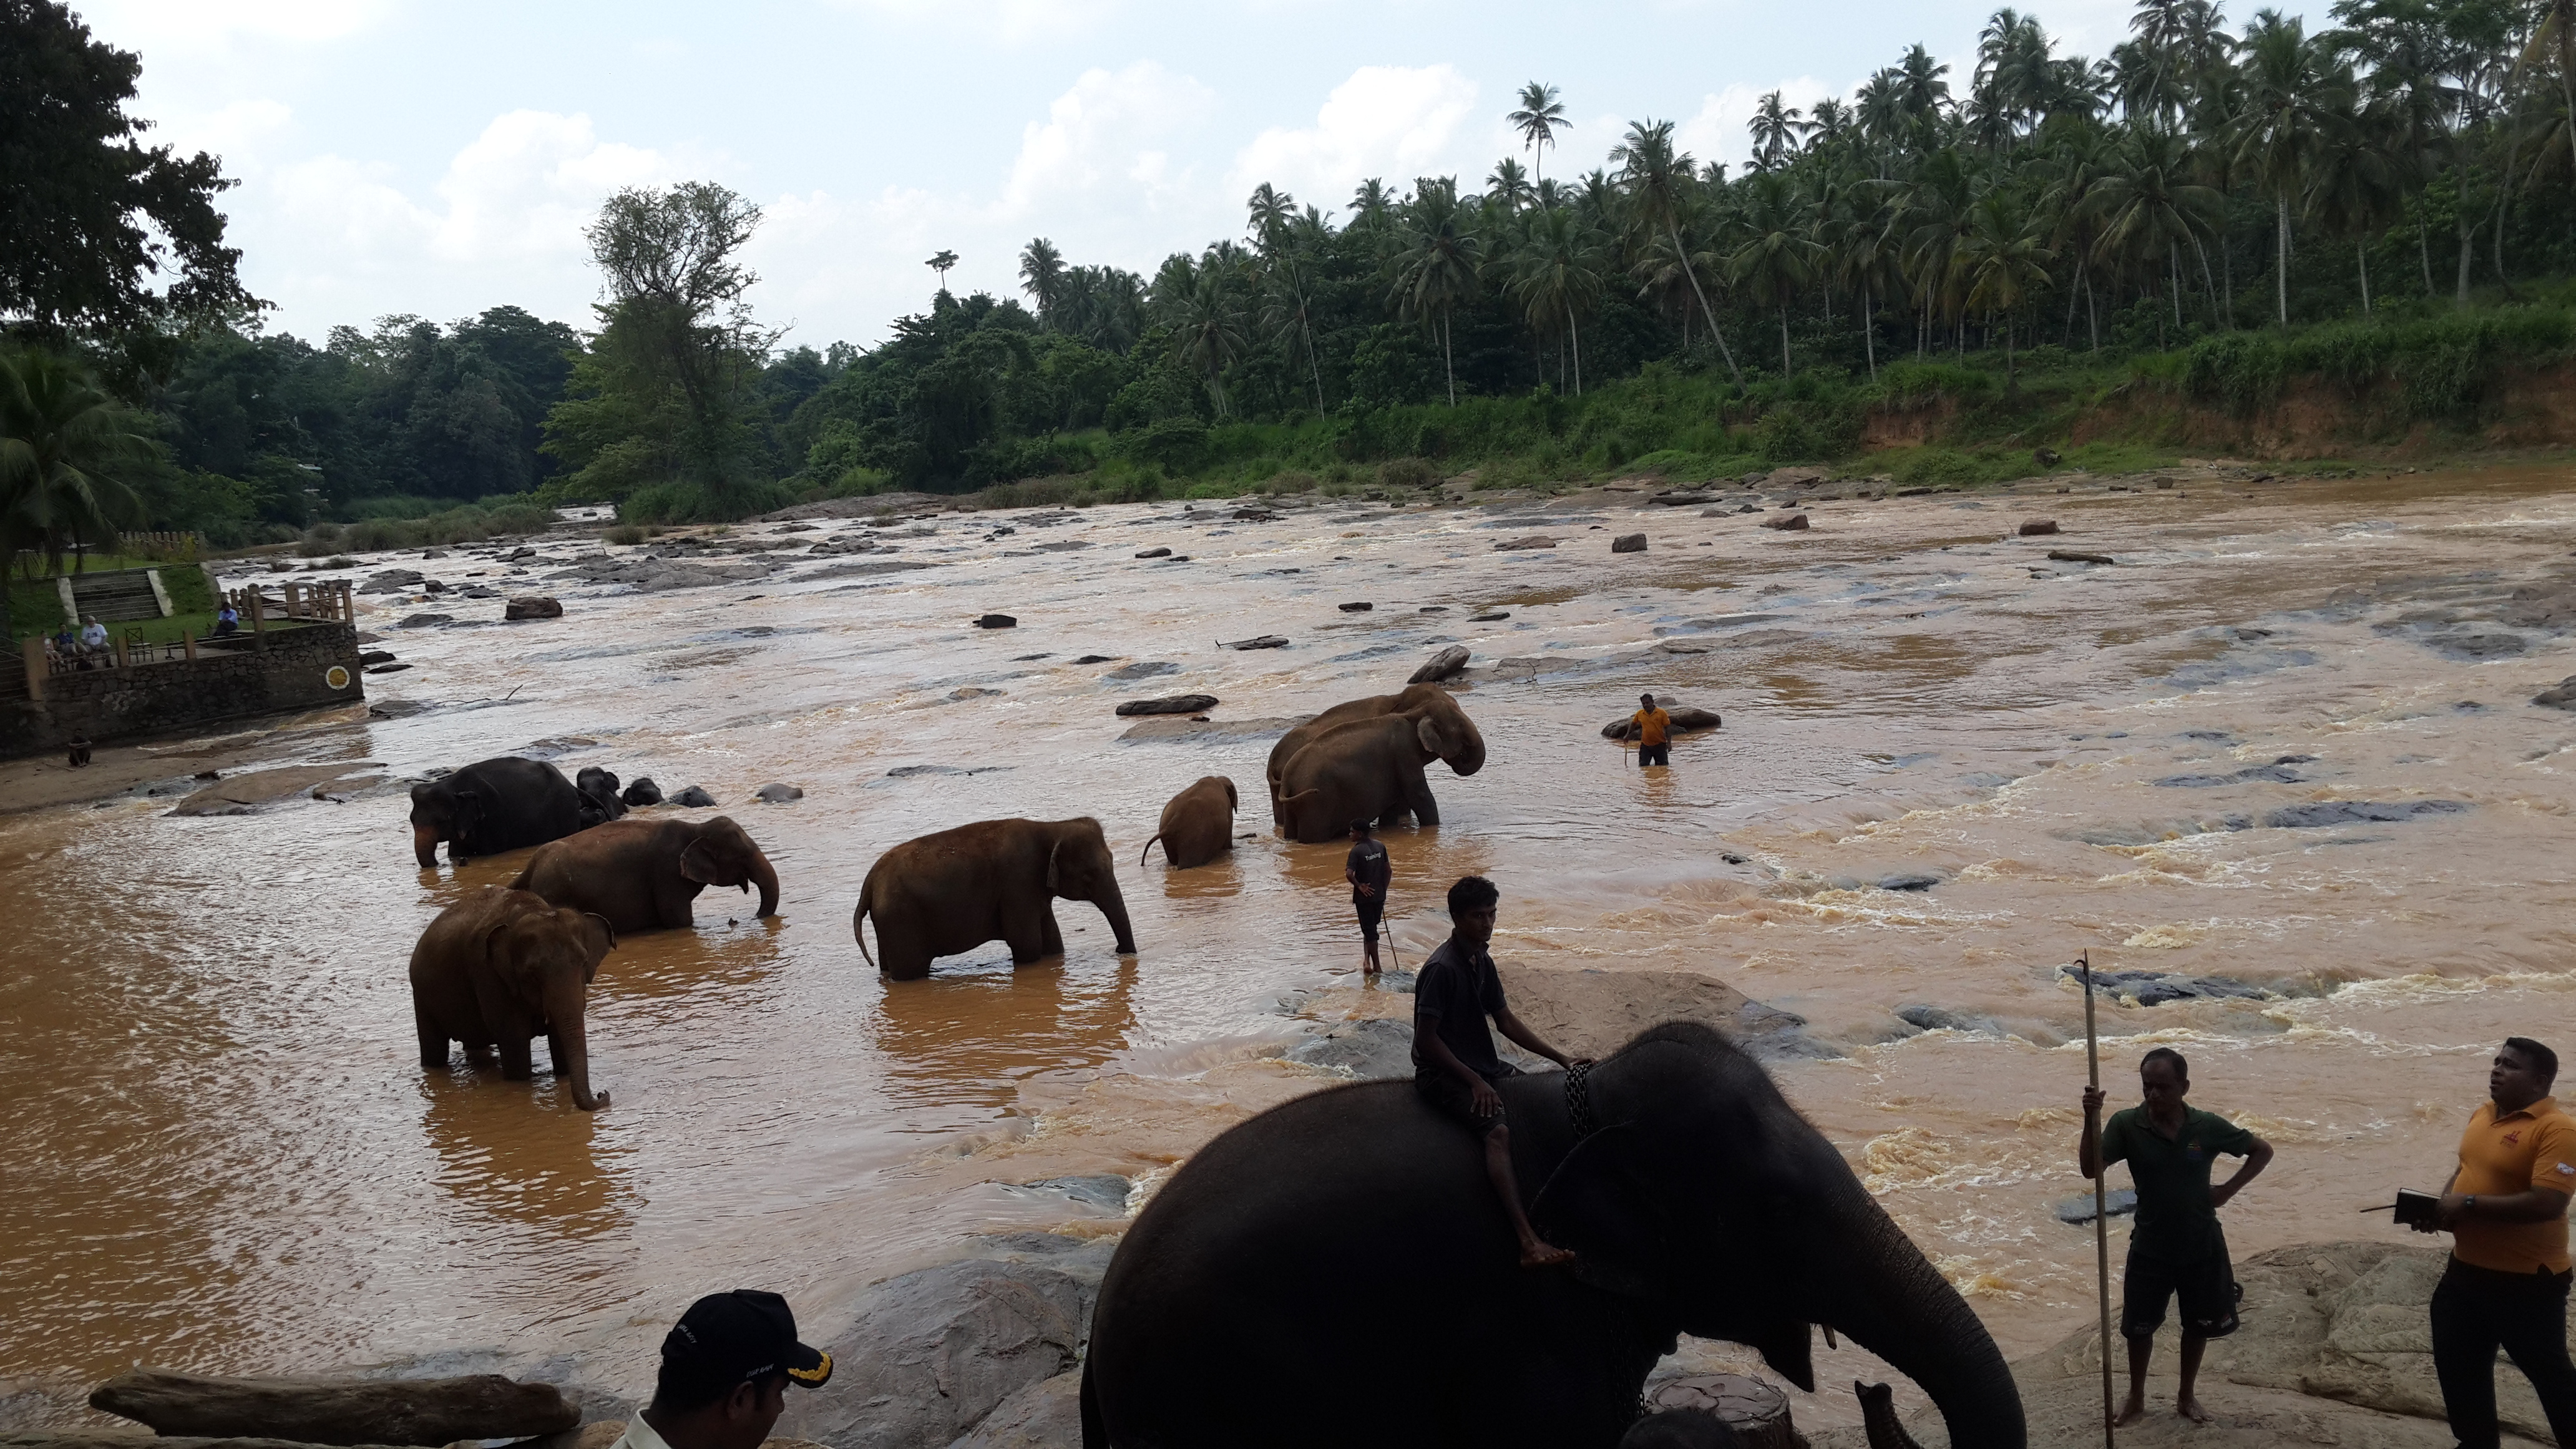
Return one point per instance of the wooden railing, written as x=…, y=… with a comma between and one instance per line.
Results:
x=302, y=603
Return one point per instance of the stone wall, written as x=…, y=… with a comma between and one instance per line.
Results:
x=295, y=672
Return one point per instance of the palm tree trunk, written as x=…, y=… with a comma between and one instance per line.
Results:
x=1868, y=332
x=1448, y=367
x=1785, y=369
x=1575, y=333
x=2281, y=268
x=2468, y=231
x=1692, y=275
x=2207, y=281
x=2173, y=272
x=2424, y=252
x=2361, y=254
x=2092, y=313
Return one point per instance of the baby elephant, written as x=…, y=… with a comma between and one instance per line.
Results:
x=1198, y=826
x=501, y=967
x=937, y=895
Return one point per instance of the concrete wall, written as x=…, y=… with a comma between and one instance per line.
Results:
x=293, y=673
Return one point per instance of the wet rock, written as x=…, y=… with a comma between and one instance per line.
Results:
x=655, y=574
x=2353, y=812
x=1908, y=881
x=1490, y=616
x=2155, y=988
x=1263, y=641
x=1628, y=543
x=1143, y=669
x=1535, y=540
x=1712, y=1411
x=695, y=797
x=398, y=708
x=1106, y=1190
x=1154, y=553
x=906, y=772
x=2479, y=646
x=2068, y=555
x=2559, y=696
x=1046, y=1415
x=959, y=696
x=1686, y=719
x=1441, y=666
x=337, y=1411
x=1026, y=658
x=1680, y=498
x=1205, y=731
x=1172, y=704
x=2279, y=774
x=2079, y=1208
x=642, y=792
x=1369, y=1050
x=996, y=621
x=532, y=606
x=390, y=581
x=246, y=793
x=1941, y=1018
x=395, y=668
x=1794, y=523
x=424, y=621
x=1101, y=659
x=432, y=586
x=777, y=794
x=2035, y=527
x=932, y=1354
x=1360, y=607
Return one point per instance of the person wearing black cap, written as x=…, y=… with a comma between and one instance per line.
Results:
x=1369, y=872
x=726, y=1366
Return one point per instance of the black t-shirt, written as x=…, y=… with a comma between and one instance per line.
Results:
x=1369, y=863
x=1454, y=992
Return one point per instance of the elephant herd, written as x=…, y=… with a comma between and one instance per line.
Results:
x=512, y=963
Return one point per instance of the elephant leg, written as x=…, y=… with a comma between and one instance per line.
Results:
x=1052, y=942
x=902, y=953
x=672, y=912
x=433, y=1040
x=556, y=1055
x=1027, y=937
x=518, y=1059
x=1426, y=811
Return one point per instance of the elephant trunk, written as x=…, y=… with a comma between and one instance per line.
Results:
x=1899, y=1307
x=1114, y=906
x=565, y=1003
x=1471, y=758
x=765, y=876
x=424, y=845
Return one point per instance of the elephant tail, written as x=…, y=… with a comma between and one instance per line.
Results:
x=1095, y=1433
x=1147, y=853
x=1292, y=810
x=858, y=922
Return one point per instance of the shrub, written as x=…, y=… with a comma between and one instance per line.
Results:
x=625, y=533
x=1408, y=473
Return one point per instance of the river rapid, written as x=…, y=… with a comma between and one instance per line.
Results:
x=219, y=1151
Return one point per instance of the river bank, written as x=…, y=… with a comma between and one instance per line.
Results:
x=2281, y=740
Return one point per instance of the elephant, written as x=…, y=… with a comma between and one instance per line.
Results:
x=501, y=967
x=940, y=894
x=639, y=874
x=1465, y=748
x=1362, y=769
x=1680, y=1429
x=1695, y=1199
x=1198, y=824
x=492, y=806
x=599, y=800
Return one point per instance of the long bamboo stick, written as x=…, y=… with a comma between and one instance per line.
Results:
x=2101, y=1214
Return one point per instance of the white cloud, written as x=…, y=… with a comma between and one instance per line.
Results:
x=1012, y=21
x=238, y=132
x=530, y=182
x=1396, y=122
x=1111, y=133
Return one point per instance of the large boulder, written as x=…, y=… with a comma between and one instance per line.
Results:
x=1443, y=664
x=532, y=606
x=1045, y=1415
x=932, y=1353
x=1170, y=704
x=1628, y=543
x=337, y=1411
x=2562, y=696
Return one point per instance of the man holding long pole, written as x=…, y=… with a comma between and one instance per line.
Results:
x=2176, y=1250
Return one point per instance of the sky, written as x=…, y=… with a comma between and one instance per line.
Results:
x=403, y=157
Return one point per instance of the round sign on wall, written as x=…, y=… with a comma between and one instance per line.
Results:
x=337, y=676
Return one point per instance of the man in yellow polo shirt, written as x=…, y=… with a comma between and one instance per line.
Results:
x=1654, y=732
x=2505, y=1208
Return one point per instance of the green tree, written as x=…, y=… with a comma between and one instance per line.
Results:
x=87, y=212
x=2297, y=98
x=1042, y=277
x=1436, y=258
x=1776, y=258
x=71, y=456
x=1554, y=275
x=2002, y=261
x=1538, y=118
x=1653, y=178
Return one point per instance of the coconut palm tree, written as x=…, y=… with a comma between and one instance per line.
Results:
x=1042, y=277
x=1555, y=276
x=2355, y=183
x=940, y=264
x=1777, y=130
x=1540, y=116
x=2150, y=205
x=1207, y=328
x=1775, y=258
x=2298, y=96
x=1436, y=258
x=1509, y=186
x=2555, y=38
x=1653, y=178
x=70, y=456
x=2000, y=262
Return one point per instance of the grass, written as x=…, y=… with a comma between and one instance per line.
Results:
x=36, y=608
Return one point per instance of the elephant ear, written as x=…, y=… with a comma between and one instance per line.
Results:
x=1232, y=800
x=469, y=810
x=1599, y=1204
x=698, y=863
x=1052, y=877
x=1426, y=730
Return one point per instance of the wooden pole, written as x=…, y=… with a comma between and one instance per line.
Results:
x=2101, y=1214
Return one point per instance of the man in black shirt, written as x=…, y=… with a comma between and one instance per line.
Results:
x=1368, y=871
x=1454, y=1066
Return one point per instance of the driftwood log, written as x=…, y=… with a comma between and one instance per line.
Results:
x=337, y=1411
x=1757, y=1412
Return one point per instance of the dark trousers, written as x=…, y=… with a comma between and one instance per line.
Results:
x=2479, y=1310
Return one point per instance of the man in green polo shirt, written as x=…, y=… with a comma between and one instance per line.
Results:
x=2176, y=1249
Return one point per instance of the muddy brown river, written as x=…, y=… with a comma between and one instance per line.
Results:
x=219, y=1152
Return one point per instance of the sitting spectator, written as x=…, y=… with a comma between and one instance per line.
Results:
x=93, y=635
x=65, y=645
x=226, y=620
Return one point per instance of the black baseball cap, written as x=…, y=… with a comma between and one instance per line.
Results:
x=740, y=1337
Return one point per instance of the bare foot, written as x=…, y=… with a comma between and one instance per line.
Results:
x=2131, y=1412
x=1369, y=970
x=1536, y=1254
x=2191, y=1409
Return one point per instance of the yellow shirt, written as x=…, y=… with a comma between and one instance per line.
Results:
x=1654, y=726
x=2533, y=1147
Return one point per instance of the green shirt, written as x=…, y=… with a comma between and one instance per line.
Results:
x=2176, y=1221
